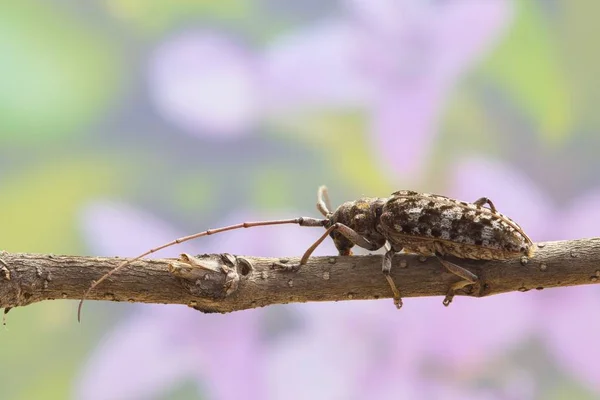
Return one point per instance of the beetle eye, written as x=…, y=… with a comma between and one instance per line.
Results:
x=378, y=211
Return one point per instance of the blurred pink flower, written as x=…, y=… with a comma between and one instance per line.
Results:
x=314, y=68
x=113, y=228
x=397, y=59
x=206, y=84
x=162, y=346
x=374, y=351
x=562, y=317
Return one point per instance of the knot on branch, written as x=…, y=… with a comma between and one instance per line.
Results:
x=210, y=275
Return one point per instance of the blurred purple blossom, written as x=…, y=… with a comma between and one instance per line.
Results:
x=206, y=84
x=414, y=52
x=377, y=352
x=149, y=359
x=162, y=346
x=395, y=60
x=399, y=60
x=116, y=228
x=562, y=318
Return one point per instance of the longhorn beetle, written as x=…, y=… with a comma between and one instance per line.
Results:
x=419, y=223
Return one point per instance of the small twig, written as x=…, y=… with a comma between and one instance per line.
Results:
x=224, y=283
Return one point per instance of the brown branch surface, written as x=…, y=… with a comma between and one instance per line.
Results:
x=224, y=283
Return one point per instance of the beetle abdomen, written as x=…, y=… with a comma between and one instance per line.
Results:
x=422, y=222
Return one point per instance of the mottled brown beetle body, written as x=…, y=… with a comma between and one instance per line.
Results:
x=430, y=224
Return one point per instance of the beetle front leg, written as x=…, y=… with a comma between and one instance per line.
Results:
x=469, y=278
x=348, y=232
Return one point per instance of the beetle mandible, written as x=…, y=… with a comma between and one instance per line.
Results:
x=418, y=223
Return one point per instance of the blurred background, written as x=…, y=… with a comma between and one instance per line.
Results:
x=128, y=123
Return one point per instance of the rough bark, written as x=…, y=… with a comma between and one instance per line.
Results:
x=224, y=283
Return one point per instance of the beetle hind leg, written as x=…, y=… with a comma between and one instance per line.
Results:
x=482, y=201
x=469, y=278
x=386, y=268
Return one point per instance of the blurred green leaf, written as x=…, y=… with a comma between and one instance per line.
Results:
x=193, y=191
x=466, y=129
x=528, y=68
x=39, y=206
x=39, y=210
x=269, y=183
x=577, y=26
x=568, y=390
x=342, y=139
x=56, y=74
x=42, y=369
x=155, y=16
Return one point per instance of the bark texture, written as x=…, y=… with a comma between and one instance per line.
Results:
x=225, y=283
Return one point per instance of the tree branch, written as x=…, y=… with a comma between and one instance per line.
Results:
x=224, y=283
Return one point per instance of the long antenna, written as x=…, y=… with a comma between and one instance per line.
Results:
x=302, y=221
x=323, y=202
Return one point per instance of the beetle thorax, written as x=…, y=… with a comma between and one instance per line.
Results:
x=362, y=216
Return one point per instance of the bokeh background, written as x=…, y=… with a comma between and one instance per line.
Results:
x=127, y=123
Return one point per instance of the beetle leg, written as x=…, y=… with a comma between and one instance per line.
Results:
x=469, y=278
x=386, y=268
x=348, y=232
x=483, y=201
x=355, y=238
